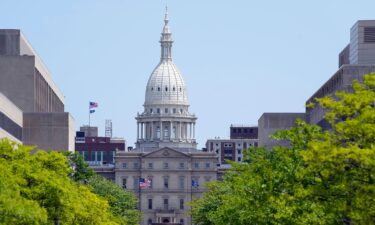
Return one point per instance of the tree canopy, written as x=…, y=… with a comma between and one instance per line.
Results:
x=323, y=177
x=38, y=189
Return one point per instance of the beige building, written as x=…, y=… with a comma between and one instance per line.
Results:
x=165, y=155
x=31, y=105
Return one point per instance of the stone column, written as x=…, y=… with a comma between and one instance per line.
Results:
x=161, y=131
x=152, y=131
x=181, y=131
x=137, y=131
x=142, y=131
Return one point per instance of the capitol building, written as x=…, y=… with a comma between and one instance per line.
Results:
x=165, y=170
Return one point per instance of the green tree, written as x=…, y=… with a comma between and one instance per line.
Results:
x=324, y=177
x=37, y=189
x=122, y=203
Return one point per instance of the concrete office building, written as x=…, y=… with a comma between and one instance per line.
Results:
x=269, y=123
x=355, y=60
x=165, y=152
x=27, y=84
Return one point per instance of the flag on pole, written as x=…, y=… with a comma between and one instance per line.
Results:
x=93, y=105
x=144, y=183
x=194, y=183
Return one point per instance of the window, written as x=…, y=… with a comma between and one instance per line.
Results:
x=165, y=203
x=174, y=132
x=111, y=156
x=166, y=88
x=181, y=203
x=182, y=182
x=124, y=181
x=85, y=155
x=239, y=159
x=369, y=36
x=150, y=165
x=157, y=110
x=99, y=156
x=166, y=182
x=166, y=132
x=238, y=151
x=181, y=111
x=207, y=165
x=149, y=203
x=149, y=221
x=182, y=165
x=196, y=165
x=124, y=165
x=239, y=145
x=174, y=88
x=93, y=154
x=157, y=132
x=182, y=221
x=150, y=110
x=152, y=89
x=174, y=110
x=150, y=179
x=158, y=88
x=135, y=165
x=165, y=165
x=180, y=89
x=166, y=110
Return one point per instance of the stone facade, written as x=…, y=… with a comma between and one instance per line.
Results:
x=171, y=173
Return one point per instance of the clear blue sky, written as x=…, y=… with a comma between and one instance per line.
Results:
x=239, y=58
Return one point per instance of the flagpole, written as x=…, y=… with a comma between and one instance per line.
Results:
x=89, y=118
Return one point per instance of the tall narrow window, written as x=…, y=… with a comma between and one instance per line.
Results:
x=166, y=132
x=124, y=181
x=166, y=182
x=182, y=204
x=150, y=203
x=157, y=132
x=174, y=132
x=182, y=182
x=165, y=204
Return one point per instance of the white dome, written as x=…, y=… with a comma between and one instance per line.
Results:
x=166, y=86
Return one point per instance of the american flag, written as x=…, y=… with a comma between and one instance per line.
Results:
x=93, y=105
x=144, y=183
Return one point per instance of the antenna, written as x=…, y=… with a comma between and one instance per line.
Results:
x=108, y=128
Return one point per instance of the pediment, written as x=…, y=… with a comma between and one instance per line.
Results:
x=166, y=153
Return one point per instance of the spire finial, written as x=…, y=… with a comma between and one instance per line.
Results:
x=166, y=39
x=166, y=19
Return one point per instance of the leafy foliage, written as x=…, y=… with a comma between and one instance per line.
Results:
x=324, y=177
x=122, y=203
x=37, y=189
